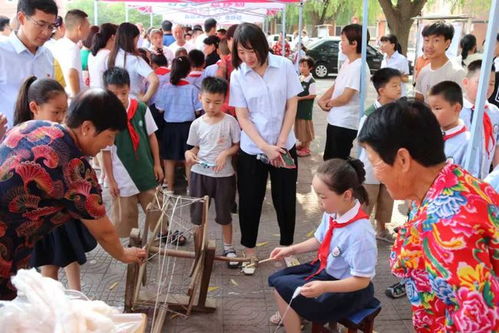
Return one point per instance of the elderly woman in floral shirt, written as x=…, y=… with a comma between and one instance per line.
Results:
x=448, y=251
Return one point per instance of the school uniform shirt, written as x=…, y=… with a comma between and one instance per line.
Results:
x=368, y=167
x=493, y=178
x=179, y=102
x=137, y=68
x=134, y=170
x=456, y=142
x=399, y=62
x=211, y=70
x=212, y=139
x=16, y=64
x=265, y=98
x=428, y=77
x=347, y=116
x=486, y=154
x=353, y=250
x=68, y=55
x=163, y=75
x=187, y=46
x=96, y=67
x=195, y=78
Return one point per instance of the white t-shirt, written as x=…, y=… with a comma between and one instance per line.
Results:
x=399, y=62
x=67, y=54
x=428, y=77
x=212, y=139
x=200, y=41
x=347, y=116
x=496, y=64
x=137, y=68
x=96, y=67
x=174, y=47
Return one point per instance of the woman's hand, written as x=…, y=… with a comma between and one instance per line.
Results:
x=133, y=255
x=281, y=252
x=313, y=289
x=273, y=152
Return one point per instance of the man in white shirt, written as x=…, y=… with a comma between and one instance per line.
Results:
x=210, y=29
x=67, y=52
x=180, y=41
x=23, y=55
x=437, y=39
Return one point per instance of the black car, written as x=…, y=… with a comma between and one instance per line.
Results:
x=325, y=53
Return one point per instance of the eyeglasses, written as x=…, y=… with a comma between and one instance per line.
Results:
x=52, y=27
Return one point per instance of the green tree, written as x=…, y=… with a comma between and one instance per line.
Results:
x=399, y=14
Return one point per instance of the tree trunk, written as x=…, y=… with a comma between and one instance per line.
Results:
x=399, y=18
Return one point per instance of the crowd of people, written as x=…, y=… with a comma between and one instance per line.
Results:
x=232, y=110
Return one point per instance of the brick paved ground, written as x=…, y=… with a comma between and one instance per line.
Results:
x=244, y=304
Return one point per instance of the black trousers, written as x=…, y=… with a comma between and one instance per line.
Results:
x=251, y=183
x=339, y=142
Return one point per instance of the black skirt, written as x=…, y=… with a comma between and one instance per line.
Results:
x=65, y=244
x=324, y=308
x=174, y=142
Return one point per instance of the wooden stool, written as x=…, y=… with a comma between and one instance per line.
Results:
x=361, y=320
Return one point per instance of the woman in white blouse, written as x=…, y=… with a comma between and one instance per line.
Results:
x=125, y=54
x=263, y=89
x=102, y=45
x=394, y=59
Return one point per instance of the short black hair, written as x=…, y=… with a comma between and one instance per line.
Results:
x=214, y=85
x=166, y=25
x=117, y=76
x=159, y=59
x=28, y=7
x=99, y=106
x=449, y=90
x=405, y=123
x=251, y=37
x=4, y=22
x=222, y=31
x=212, y=40
x=439, y=28
x=353, y=32
x=497, y=37
x=475, y=67
x=74, y=17
x=209, y=24
x=382, y=76
x=196, y=57
x=309, y=60
x=197, y=27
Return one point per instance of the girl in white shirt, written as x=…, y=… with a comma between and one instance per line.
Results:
x=394, y=59
x=125, y=54
x=102, y=44
x=342, y=100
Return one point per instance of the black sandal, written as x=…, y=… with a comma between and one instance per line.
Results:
x=176, y=238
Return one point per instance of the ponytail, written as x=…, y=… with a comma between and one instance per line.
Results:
x=125, y=35
x=35, y=90
x=467, y=43
x=180, y=69
x=107, y=30
x=341, y=175
x=398, y=48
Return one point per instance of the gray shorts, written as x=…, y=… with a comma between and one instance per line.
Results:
x=222, y=189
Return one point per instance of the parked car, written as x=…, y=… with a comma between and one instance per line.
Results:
x=325, y=53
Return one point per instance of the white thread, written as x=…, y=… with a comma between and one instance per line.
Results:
x=295, y=294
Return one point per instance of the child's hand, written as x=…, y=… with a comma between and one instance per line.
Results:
x=220, y=161
x=158, y=173
x=190, y=158
x=113, y=188
x=313, y=289
x=3, y=125
x=281, y=252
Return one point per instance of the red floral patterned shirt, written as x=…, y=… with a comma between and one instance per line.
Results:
x=448, y=255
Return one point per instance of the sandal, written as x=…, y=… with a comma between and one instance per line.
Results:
x=249, y=267
x=176, y=238
x=304, y=152
x=231, y=253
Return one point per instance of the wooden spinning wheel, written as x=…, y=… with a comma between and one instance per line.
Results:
x=162, y=212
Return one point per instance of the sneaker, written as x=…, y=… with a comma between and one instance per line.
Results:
x=385, y=236
x=231, y=253
x=395, y=291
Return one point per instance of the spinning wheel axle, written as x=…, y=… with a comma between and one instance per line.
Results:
x=191, y=254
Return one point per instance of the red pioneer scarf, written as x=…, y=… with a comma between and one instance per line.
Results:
x=134, y=136
x=449, y=136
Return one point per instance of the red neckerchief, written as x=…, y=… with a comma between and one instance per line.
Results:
x=134, y=136
x=323, y=251
x=449, y=136
x=488, y=130
x=162, y=71
x=195, y=74
x=182, y=83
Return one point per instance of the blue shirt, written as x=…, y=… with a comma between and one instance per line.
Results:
x=456, y=145
x=16, y=64
x=179, y=102
x=265, y=98
x=168, y=39
x=353, y=250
